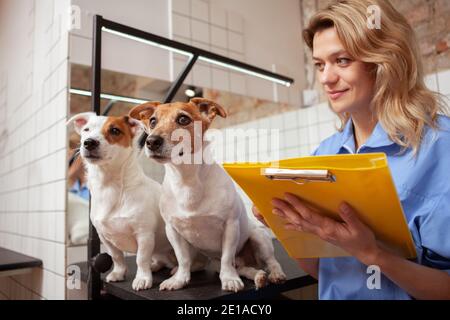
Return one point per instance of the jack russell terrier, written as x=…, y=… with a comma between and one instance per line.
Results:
x=199, y=203
x=124, y=201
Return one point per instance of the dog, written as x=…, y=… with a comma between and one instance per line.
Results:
x=124, y=201
x=199, y=203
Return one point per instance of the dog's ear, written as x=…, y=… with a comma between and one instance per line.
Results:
x=143, y=111
x=135, y=125
x=209, y=108
x=80, y=120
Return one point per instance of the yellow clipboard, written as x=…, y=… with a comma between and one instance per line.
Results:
x=362, y=180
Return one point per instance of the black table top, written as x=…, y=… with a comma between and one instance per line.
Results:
x=205, y=285
x=11, y=260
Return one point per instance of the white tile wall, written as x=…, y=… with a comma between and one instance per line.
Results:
x=218, y=16
x=33, y=108
x=226, y=28
x=218, y=37
x=207, y=26
x=200, y=9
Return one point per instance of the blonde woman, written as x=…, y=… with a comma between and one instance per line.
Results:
x=374, y=82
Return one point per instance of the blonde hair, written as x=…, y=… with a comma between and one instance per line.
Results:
x=402, y=103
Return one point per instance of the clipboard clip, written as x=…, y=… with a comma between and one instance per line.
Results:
x=298, y=176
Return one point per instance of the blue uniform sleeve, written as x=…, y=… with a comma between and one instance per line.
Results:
x=435, y=236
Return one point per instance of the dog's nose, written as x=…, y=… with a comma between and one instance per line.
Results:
x=154, y=142
x=90, y=144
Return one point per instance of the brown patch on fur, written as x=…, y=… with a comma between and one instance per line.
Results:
x=166, y=115
x=143, y=111
x=210, y=108
x=125, y=137
x=197, y=109
x=260, y=279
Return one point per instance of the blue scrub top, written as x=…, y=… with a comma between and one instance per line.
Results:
x=80, y=190
x=423, y=185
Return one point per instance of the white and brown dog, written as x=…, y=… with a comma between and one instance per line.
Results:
x=124, y=201
x=199, y=203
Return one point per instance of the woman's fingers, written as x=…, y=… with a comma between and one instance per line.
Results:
x=258, y=216
x=296, y=222
x=311, y=221
x=310, y=215
x=279, y=213
x=288, y=211
x=290, y=226
x=300, y=206
x=348, y=214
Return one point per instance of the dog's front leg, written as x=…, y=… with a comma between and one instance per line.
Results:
x=184, y=256
x=228, y=274
x=119, y=264
x=146, y=245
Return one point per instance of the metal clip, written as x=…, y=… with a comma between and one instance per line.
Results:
x=298, y=176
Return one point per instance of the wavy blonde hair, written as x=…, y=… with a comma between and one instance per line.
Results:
x=402, y=103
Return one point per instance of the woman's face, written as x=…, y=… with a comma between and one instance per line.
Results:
x=347, y=82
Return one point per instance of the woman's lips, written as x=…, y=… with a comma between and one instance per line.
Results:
x=336, y=94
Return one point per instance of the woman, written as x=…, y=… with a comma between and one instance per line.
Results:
x=374, y=81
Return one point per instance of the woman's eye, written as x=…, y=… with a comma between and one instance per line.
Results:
x=152, y=123
x=115, y=131
x=343, y=61
x=319, y=66
x=86, y=129
x=183, y=120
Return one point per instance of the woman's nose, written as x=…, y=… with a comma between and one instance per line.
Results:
x=328, y=76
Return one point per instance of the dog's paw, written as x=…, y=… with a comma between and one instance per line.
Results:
x=277, y=277
x=115, y=276
x=142, y=283
x=231, y=283
x=175, y=282
x=260, y=279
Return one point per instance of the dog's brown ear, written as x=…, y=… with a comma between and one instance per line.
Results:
x=133, y=124
x=143, y=111
x=209, y=108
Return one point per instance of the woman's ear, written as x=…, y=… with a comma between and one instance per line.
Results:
x=208, y=108
x=80, y=120
x=143, y=111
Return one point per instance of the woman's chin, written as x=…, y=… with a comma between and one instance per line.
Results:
x=341, y=107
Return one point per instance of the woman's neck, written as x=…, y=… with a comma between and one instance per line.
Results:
x=363, y=125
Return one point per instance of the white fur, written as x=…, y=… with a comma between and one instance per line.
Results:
x=124, y=205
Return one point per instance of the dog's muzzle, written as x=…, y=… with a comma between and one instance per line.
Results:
x=154, y=143
x=90, y=149
x=90, y=144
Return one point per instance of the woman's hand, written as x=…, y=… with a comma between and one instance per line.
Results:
x=259, y=216
x=351, y=235
x=310, y=266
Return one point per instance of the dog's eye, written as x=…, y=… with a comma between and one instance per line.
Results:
x=115, y=131
x=86, y=129
x=152, y=123
x=183, y=120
